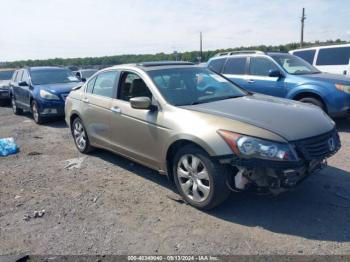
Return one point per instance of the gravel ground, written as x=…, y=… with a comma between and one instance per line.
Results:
x=112, y=206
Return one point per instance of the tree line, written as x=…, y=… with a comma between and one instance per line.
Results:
x=193, y=56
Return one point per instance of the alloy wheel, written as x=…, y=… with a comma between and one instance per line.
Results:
x=79, y=135
x=13, y=102
x=193, y=178
x=35, y=112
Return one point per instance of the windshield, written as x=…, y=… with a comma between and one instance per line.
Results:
x=294, y=65
x=195, y=85
x=6, y=75
x=52, y=76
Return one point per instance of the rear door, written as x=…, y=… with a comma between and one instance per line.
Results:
x=334, y=60
x=235, y=69
x=96, y=113
x=17, y=90
x=259, y=80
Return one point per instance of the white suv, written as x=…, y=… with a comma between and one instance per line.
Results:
x=332, y=59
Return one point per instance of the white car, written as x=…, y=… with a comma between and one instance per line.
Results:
x=333, y=59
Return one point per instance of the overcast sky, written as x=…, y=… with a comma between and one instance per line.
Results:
x=31, y=29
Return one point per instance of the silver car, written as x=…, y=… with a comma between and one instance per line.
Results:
x=205, y=133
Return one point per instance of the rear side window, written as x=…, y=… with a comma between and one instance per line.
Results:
x=260, y=66
x=216, y=64
x=235, y=66
x=104, y=84
x=307, y=55
x=333, y=56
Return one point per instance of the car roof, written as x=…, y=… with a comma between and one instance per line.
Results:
x=240, y=54
x=320, y=46
x=35, y=68
x=149, y=66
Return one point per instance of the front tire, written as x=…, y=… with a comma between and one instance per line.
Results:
x=80, y=136
x=313, y=101
x=200, y=180
x=36, y=114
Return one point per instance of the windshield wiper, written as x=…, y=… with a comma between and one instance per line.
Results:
x=214, y=99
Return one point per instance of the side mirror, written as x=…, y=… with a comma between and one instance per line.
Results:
x=275, y=73
x=141, y=102
x=83, y=79
x=23, y=83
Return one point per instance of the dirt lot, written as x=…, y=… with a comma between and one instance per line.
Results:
x=112, y=206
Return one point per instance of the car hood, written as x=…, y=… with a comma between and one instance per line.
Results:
x=288, y=119
x=4, y=83
x=326, y=77
x=59, y=88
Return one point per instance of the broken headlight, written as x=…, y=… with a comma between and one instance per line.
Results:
x=251, y=147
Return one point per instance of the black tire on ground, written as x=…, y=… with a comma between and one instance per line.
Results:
x=16, y=110
x=313, y=101
x=38, y=118
x=218, y=174
x=87, y=148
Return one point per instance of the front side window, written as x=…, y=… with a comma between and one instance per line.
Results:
x=307, y=55
x=294, y=65
x=333, y=56
x=19, y=76
x=14, y=76
x=25, y=76
x=260, y=66
x=235, y=66
x=132, y=85
x=217, y=64
x=90, y=85
x=52, y=76
x=104, y=84
x=195, y=85
x=6, y=75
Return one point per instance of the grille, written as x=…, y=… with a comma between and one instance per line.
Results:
x=319, y=147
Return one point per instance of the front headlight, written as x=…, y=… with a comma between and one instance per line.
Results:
x=251, y=147
x=47, y=95
x=343, y=88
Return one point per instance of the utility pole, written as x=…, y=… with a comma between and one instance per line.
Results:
x=303, y=17
x=200, y=48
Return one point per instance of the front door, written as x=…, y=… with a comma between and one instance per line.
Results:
x=136, y=133
x=259, y=81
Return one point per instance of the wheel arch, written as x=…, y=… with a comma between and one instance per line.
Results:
x=308, y=93
x=176, y=145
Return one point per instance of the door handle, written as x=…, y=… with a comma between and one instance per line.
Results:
x=85, y=100
x=116, y=109
x=250, y=81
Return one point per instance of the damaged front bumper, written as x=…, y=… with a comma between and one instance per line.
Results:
x=269, y=176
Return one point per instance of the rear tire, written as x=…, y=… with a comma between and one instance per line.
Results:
x=80, y=136
x=15, y=109
x=200, y=179
x=313, y=101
